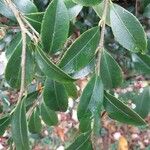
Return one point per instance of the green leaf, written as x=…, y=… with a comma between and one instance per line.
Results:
x=119, y=111
x=141, y=63
x=142, y=102
x=147, y=11
x=91, y=99
x=48, y=115
x=13, y=68
x=49, y=68
x=35, y=122
x=73, y=9
x=81, y=51
x=87, y=2
x=82, y=142
x=4, y=122
x=85, y=124
x=71, y=90
x=55, y=95
x=16, y=43
x=35, y=20
x=55, y=26
x=127, y=29
x=19, y=127
x=25, y=6
x=99, y=11
x=111, y=72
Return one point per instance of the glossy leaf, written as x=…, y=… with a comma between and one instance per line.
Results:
x=142, y=102
x=141, y=63
x=81, y=51
x=110, y=71
x=55, y=96
x=48, y=116
x=87, y=2
x=35, y=20
x=82, y=142
x=99, y=11
x=4, y=122
x=147, y=11
x=73, y=9
x=49, y=68
x=91, y=99
x=119, y=111
x=19, y=127
x=127, y=29
x=55, y=26
x=71, y=90
x=35, y=122
x=25, y=6
x=13, y=68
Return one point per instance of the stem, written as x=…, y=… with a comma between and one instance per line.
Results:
x=102, y=23
x=23, y=56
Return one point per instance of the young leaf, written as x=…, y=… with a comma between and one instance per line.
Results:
x=35, y=20
x=35, y=122
x=141, y=63
x=48, y=116
x=111, y=72
x=55, y=26
x=73, y=9
x=119, y=111
x=87, y=2
x=25, y=6
x=81, y=51
x=19, y=127
x=127, y=29
x=82, y=142
x=4, y=122
x=91, y=99
x=147, y=11
x=13, y=68
x=142, y=102
x=50, y=69
x=55, y=96
x=99, y=11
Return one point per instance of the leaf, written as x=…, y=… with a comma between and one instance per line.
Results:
x=82, y=142
x=19, y=127
x=73, y=9
x=85, y=124
x=142, y=102
x=48, y=115
x=35, y=122
x=99, y=11
x=55, y=96
x=25, y=6
x=111, y=72
x=71, y=90
x=55, y=26
x=147, y=11
x=87, y=2
x=49, y=68
x=127, y=29
x=141, y=63
x=91, y=99
x=4, y=122
x=119, y=111
x=81, y=51
x=35, y=20
x=16, y=43
x=13, y=68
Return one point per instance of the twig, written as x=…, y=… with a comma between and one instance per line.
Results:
x=102, y=23
x=23, y=56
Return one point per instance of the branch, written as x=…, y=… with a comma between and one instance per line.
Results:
x=102, y=23
x=10, y=4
